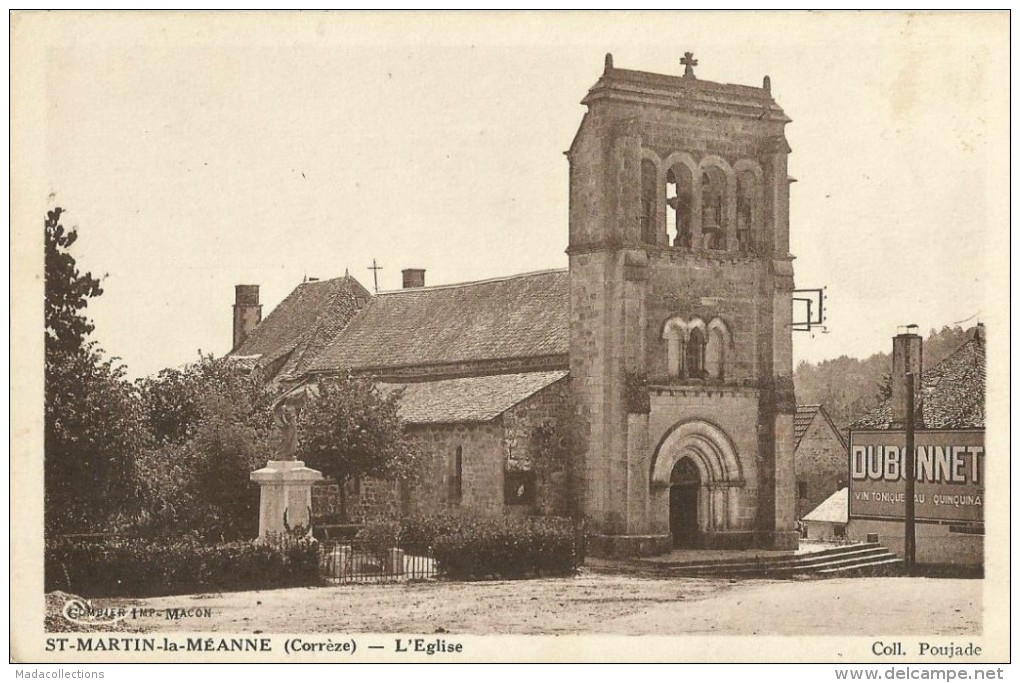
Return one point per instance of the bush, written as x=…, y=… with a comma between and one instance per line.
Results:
x=139, y=567
x=418, y=534
x=501, y=548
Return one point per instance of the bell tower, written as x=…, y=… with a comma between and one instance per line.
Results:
x=681, y=309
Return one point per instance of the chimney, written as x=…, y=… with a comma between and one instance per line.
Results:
x=413, y=277
x=247, y=312
x=906, y=358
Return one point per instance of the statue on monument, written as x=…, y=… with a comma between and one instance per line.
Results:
x=286, y=412
x=287, y=418
x=285, y=496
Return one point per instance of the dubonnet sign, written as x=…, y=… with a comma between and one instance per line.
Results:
x=949, y=468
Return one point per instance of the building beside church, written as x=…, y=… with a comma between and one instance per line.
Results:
x=647, y=388
x=827, y=521
x=949, y=422
x=820, y=455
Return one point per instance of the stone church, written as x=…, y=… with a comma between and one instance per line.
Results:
x=647, y=388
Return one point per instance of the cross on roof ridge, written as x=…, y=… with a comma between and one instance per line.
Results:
x=689, y=63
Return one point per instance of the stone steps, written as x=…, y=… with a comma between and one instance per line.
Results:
x=768, y=560
x=862, y=558
x=884, y=567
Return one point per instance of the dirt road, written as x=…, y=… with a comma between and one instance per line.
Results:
x=587, y=604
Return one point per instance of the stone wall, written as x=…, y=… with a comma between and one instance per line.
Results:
x=590, y=365
x=530, y=437
x=482, y=469
x=710, y=287
x=326, y=502
x=539, y=438
x=367, y=498
x=821, y=464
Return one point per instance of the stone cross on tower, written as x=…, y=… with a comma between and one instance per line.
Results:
x=689, y=63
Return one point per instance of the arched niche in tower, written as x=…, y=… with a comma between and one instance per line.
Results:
x=674, y=334
x=718, y=341
x=750, y=205
x=649, y=192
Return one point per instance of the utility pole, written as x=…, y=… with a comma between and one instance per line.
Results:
x=909, y=536
x=375, y=274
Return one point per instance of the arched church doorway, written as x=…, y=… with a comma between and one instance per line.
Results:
x=684, y=483
x=696, y=488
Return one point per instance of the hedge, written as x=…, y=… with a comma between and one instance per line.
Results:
x=136, y=567
x=506, y=548
x=419, y=534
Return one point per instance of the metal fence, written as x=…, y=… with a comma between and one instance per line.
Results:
x=355, y=562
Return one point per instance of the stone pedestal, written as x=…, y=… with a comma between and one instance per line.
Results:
x=286, y=496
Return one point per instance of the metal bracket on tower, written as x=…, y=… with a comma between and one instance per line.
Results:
x=809, y=310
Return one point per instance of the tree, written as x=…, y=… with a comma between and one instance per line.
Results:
x=211, y=424
x=67, y=290
x=349, y=428
x=176, y=399
x=92, y=424
x=849, y=387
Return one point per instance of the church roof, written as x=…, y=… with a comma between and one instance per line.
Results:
x=468, y=399
x=834, y=509
x=952, y=394
x=310, y=316
x=520, y=316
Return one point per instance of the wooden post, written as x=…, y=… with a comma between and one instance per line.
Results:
x=909, y=536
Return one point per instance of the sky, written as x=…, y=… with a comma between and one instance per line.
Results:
x=199, y=151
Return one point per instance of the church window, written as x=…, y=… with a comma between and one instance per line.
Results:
x=648, y=183
x=802, y=489
x=518, y=487
x=695, y=355
x=678, y=206
x=456, y=477
x=671, y=204
x=715, y=354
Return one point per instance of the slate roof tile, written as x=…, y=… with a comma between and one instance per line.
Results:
x=513, y=317
x=952, y=392
x=468, y=399
x=303, y=322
